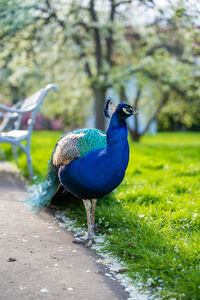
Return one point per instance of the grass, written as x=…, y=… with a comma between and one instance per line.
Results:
x=152, y=220
x=42, y=144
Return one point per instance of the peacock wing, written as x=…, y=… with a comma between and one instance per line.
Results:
x=67, y=149
x=78, y=144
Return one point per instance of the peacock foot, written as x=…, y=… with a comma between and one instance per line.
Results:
x=79, y=242
x=88, y=243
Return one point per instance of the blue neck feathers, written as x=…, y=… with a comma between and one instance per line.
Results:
x=117, y=131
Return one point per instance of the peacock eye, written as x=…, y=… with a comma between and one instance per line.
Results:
x=125, y=109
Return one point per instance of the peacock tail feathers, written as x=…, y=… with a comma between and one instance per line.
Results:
x=41, y=194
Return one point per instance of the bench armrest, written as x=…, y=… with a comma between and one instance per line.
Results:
x=14, y=110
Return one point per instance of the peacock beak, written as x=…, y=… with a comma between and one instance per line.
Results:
x=135, y=112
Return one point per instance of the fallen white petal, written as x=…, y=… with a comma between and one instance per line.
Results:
x=44, y=291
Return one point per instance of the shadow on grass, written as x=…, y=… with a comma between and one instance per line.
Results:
x=145, y=249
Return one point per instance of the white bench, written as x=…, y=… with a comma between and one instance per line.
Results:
x=10, y=131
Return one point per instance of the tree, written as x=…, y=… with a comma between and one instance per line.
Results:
x=29, y=59
x=57, y=38
x=91, y=31
x=166, y=71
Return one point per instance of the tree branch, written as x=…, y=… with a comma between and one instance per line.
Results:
x=97, y=38
x=122, y=2
x=155, y=115
x=158, y=78
x=76, y=38
x=137, y=98
x=134, y=132
x=83, y=25
x=53, y=15
x=109, y=40
x=170, y=48
x=83, y=54
x=162, y=81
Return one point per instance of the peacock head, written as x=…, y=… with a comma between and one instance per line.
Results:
x=124, y=111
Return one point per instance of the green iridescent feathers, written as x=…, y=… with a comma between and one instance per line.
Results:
x=92, y=139
x=77, y=144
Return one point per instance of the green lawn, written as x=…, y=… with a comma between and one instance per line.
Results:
x=152, y=220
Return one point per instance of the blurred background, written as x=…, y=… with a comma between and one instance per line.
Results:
x=145, y=53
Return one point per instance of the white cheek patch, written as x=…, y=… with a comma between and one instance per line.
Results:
x=124, y=110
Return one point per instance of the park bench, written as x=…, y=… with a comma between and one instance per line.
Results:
x=10, y=128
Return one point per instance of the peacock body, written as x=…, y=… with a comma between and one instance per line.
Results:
x=88, y=163
x=70, y=146
x=100, y=171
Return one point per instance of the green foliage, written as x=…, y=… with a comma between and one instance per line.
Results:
x=152, y=220
x=81, y=48
x=164, y=63
x=30, y=59
x=179, y=114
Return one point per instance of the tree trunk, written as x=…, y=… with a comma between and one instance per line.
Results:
x=135, y=136
x=16, y=96
x=100, y=95
x=122, y=94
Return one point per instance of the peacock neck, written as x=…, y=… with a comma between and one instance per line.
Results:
x=117, y=131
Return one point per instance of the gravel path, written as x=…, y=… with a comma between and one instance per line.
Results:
x=37, y=257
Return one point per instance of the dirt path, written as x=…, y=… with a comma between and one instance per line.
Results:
x=38, y=259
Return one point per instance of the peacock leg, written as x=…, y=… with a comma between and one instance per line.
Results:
x=87, y=204
x=94, y=201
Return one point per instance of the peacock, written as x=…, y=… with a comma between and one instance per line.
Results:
x=88, y=163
